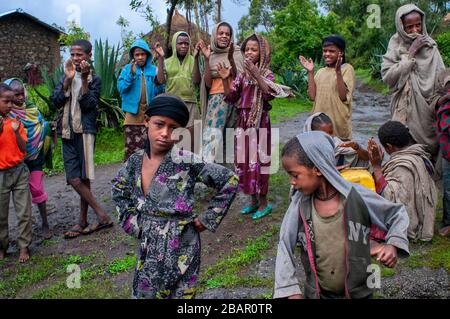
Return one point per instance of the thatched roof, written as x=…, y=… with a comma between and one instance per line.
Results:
x=179, y=23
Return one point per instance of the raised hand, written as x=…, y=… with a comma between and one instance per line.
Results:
x=375, y=153
x=223, y=70
x=418, y=44
x=85, y=69
x=339, y=62
x=159, y=50
x=133, y=66
x=206, y=50
x=307, y=64
x=197, y=49
x=251, y=68
x=70, y=70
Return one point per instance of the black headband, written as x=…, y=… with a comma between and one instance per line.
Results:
x=171, y=107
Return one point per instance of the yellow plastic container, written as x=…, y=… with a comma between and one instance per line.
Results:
x=359, y=176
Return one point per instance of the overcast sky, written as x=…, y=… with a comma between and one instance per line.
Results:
x=99, y=17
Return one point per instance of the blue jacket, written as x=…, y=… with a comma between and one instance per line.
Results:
x=129, y=85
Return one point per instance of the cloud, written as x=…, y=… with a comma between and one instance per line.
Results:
x=99, y=17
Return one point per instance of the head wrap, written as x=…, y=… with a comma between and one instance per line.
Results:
x=11, y=80
x=276, y=90
x=320, y=148
x=33, y=122
x=169, y=106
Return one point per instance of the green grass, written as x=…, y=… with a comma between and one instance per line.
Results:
x=268, y=295
x=122, y=265
x=285, y=109
x=387, y=272
x=109, y=149
x=225, y=273
x=364, y=76
x=93, y=289
x=435, y=256
x=21, y=276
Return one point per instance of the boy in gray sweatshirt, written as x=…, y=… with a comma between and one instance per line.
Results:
x=331, y=219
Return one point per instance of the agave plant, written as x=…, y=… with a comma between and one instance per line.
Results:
x=105, y=66
x=50, y=81
x=376, y=60
x=296, y=79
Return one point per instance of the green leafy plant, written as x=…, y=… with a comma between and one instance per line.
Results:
x=106, y=66
x=74, y=32
x=376, y=59
x=297, y=79
x=44, y=92
x=443, y=41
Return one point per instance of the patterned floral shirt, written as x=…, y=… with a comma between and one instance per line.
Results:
x=171, y=193
x=442, y=126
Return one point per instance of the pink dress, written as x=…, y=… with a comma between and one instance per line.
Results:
x=252, y=160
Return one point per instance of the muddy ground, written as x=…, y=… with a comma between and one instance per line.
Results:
x=99, y=250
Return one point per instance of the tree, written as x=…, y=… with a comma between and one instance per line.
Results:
x=202, y=7
x=299, y=29
x=128, y=37
x=434, y=9
x=260, y=13
x=369, y=43
x=74, y=32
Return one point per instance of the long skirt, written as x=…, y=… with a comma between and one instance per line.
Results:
x=219, y=116
x=253, y=159
x=168, y=260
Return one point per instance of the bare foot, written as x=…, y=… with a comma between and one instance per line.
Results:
x=46, y=232
x=2, y=255
x=24, y=255
x=444, y=231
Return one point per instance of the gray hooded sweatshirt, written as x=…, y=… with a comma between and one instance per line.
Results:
x=362, y=208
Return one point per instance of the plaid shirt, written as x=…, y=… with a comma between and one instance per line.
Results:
x=442, y=126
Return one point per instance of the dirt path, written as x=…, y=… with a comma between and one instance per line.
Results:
x=109, y=247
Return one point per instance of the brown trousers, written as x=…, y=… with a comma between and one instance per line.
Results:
x=15, y=181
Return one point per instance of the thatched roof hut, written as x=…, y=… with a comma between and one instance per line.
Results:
x=179, y=23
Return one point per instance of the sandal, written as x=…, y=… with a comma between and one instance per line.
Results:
x=74, y=232
x=97, y=227
x=260, y=214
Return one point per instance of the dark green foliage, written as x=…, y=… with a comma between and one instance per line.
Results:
x=443, y=41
